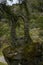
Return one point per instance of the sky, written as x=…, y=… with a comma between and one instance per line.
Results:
x=12, y=2
x=9, y=2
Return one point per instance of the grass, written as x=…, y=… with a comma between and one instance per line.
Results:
x=2, y=63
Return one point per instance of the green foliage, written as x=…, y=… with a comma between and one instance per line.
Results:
x=31, y=53
x=2, y=63
x=37, y=6
x=35, y=28
x=4, y=35
x=39, y=21
x=4, y=29
x=20, y=28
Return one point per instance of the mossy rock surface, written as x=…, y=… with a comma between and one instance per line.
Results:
x=8, y=52
x=11, y=53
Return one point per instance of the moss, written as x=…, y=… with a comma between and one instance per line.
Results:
x=30, y=51
x=2, y=63
x=9, y=52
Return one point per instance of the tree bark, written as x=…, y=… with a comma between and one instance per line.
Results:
x=27, y=37
x=13, y=33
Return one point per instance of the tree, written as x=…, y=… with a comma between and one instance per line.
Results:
x=37, y=5
x=13, y=17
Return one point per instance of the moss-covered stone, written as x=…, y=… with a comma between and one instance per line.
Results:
x=12, y=55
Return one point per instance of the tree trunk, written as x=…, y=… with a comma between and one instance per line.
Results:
x=13, y=34
x=27, y=37
x=26, y=24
